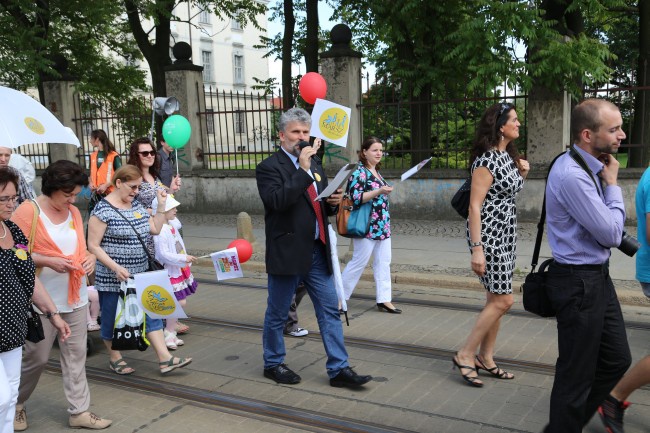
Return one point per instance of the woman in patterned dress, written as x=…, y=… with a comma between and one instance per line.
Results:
x=366, y=184
x=18, y=286
x=498, y=173
x=120, y=255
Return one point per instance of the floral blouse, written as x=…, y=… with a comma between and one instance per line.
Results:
x=362, y=180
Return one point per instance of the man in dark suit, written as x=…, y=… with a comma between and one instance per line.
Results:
x=298, y=249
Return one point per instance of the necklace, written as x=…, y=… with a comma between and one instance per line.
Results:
x=4, y=235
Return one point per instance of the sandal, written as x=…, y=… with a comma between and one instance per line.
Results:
x=171, y=365
x=182, y=328
x=472, y=380
x=494, y=371
x=120, y=367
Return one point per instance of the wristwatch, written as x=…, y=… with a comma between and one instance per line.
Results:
x=50, y=315
x=475, y=244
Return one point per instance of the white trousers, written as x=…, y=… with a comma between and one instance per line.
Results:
x=9, y=381
x=363, y=249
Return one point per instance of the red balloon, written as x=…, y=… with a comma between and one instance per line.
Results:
x=244, y=249
x=312, y=86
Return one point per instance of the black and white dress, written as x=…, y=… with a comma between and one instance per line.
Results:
x=16, y=289
x=499, y=220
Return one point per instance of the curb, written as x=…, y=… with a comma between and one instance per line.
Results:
x=625, y=296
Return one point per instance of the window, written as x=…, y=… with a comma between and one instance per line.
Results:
x=238, y=65
x=210, y=120
x=240, y=123
x=235, y=24
x=206, y=56
x=204, y=16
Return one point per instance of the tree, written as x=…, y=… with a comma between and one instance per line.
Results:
x=40, y=39
x=411, y=53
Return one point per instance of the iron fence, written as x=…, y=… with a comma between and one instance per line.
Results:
x=414, y=129
x=241, y=128
x=122, y=121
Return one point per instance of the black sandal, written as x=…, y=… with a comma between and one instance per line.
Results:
x=472, y=380
x=494, y=371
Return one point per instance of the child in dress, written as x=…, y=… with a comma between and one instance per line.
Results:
x=170, y=252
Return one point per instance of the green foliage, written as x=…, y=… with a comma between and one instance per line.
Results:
x=80, y=31
x=512, y=40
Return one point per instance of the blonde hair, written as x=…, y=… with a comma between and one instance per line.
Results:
x=126, y=173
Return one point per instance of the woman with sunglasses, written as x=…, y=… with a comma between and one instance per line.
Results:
x=498, y=174
x=112, y=238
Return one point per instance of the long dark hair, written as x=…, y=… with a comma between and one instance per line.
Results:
x=488, y=134
x=100, y=134
x=369, y=141
x=134, y=156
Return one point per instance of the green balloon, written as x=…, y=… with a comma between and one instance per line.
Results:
x=176, y=131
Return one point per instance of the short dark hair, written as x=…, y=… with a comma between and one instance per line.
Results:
x=586, y=115
x=8, y=175
x=63, y=175
x=134, y=156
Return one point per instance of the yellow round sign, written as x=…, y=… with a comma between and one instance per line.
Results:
x=34, y=125
x=21, y=254
x=158, y=300
x=334, y=123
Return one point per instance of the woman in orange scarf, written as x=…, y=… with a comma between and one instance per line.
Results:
x=54, y=229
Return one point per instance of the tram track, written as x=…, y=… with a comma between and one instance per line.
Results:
x=456, y=306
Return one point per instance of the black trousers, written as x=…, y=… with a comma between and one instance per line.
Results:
x=593, y=352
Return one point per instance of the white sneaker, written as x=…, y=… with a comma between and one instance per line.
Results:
x=170, y=340
x=299, y=332
x=178, y=341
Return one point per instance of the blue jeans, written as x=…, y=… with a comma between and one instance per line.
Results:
x=320, y=286
x=108, y=308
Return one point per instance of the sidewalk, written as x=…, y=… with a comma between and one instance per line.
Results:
x=427, y=253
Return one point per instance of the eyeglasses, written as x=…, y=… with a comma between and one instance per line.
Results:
x=12, y=198
x=133, y=187
x=148, y=153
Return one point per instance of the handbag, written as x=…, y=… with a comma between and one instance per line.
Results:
x=130, y=325
x=535, y=298
x=353, y=222
x=154, y=265
x=460, y=200
x=35, y=331
x=34, y=325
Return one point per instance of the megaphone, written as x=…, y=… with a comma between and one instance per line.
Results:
x=168, y=106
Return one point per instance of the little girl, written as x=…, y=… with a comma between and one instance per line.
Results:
x=170, y=252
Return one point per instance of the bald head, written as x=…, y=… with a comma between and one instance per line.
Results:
x=5, y=155
x=589, y=115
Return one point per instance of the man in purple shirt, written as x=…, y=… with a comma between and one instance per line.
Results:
x=585, y=217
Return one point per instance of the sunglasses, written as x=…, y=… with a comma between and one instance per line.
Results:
x=148, y=153
x=133, y=187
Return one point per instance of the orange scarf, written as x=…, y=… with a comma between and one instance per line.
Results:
x=43, y=244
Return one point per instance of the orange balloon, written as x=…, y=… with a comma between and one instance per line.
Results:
x=244, y=249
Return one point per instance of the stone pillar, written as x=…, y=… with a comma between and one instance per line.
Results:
x=58, y=94
x=549, y=124
x=341, y=68
x=185, y=82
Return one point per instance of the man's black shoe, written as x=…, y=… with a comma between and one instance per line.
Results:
x=282, y=374
x=347, y=377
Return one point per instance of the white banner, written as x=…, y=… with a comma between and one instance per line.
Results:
x=331, y=122
x=226, y=264
x=156, y=295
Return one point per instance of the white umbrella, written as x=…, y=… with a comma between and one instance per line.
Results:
x=23, y=120
x=336, y=268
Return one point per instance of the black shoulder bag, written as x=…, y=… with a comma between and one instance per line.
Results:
x=535, y=298
x=154, y=265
